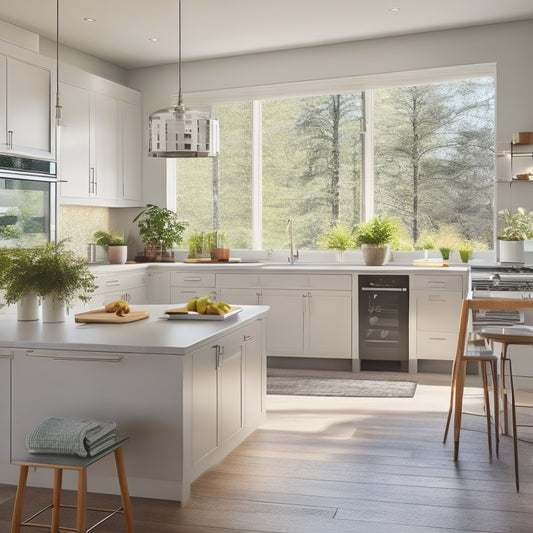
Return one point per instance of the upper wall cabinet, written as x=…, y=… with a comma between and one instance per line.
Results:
x=100, y=143
x=26, y=126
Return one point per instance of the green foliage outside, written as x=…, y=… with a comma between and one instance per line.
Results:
x=433, y=166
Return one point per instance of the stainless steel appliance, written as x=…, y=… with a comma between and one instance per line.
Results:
x=384, y=322
x=28, y=201
x=501, y=281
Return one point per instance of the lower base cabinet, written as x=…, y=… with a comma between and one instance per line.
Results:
x=184, y=413
x=5, y=408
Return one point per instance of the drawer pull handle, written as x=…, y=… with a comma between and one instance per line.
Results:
x=6, y=355
x=247, y=338
x=437, y=299
x=437, y=339
x=112, y=283
x=104, y=358
x=192, y=279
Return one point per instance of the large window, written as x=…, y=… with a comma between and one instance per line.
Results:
x=422, y=153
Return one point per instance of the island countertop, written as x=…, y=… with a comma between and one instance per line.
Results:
x=155, y=334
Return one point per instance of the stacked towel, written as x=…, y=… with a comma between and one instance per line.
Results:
x=71, y=436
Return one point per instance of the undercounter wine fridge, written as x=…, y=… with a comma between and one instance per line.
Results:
x=384, y=322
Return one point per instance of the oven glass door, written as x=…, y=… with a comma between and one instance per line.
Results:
x=27, y=212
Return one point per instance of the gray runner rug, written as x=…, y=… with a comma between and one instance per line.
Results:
x=316, y=386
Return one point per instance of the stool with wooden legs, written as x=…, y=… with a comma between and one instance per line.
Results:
x=486, y=361
x=459, y=366
x=80, y=464
x=508, y=336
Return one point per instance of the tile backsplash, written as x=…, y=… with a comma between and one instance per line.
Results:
x=78, y=224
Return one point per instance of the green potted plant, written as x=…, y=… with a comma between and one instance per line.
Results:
x=62, y=278
x=18, y=281
x=159, y=229
x=374, y=236
x=217, y=246
x=116, y=247
x=338, y=237
x=515, y=229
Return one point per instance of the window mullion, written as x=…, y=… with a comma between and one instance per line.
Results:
x=367, y=156
x=257, y=170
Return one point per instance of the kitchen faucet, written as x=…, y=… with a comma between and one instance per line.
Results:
x=293, y=257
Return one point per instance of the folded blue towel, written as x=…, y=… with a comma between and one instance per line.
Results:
x=71, y=436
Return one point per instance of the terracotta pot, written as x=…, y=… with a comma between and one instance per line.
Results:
x=220, y=254
x=374, y=255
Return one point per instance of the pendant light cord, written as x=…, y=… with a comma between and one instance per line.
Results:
x=180, y=101
x=58, y=107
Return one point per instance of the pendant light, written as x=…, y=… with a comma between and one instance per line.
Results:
x=180, y=132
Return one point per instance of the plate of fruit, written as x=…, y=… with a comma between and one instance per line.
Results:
x=204, y=308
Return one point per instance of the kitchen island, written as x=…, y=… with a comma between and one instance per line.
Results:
x=186, y=392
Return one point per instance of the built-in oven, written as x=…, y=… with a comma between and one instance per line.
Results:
x=28, y=201
x=384, y=322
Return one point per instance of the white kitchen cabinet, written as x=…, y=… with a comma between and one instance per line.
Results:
x=131, y=172
x=5, y=405
x=158, y=283
x=89, y=147
x=228, y=390
x=239, y=289
x=127, y=286
x=436, y=301
x=185, y=286
x=101, y=142
x=26, y=93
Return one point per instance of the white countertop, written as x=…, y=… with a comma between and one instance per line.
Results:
x=321, y=268
x=155, y=334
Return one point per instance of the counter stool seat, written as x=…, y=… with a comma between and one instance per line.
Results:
x=70, y=462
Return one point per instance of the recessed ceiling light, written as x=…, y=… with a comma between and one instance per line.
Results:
x=89, y=19
x=153, y=39
x=394, y=9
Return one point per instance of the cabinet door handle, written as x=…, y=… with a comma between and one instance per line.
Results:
x=437, y=298
x=219, y=358
x=104, y=358
x=10, y=139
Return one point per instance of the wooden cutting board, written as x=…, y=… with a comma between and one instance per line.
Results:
x=100, y=316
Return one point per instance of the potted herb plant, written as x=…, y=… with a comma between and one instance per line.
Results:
x=374, y=237
x=159, y=229
x=116, y=247
x=515, y=229
x=338, y=238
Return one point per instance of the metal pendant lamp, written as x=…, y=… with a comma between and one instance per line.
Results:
x=180, y=132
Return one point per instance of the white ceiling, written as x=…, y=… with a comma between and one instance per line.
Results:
x=215, y=28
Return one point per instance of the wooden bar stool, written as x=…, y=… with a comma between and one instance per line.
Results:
x=80, y=464
x=485, y=360
x=508, y=336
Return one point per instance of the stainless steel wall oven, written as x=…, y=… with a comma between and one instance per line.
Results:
x=28, y=201
x=384, y=322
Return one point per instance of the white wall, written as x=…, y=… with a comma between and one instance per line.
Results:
x=506, y=45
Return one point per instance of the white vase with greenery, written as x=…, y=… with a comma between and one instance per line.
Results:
x=28, y=307
x=515, y=228
x=374, y=237
x=54, y=309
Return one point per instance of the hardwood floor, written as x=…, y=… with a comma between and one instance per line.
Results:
x=338, y=465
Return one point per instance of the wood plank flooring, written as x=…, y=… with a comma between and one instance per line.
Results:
x=337, y=465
